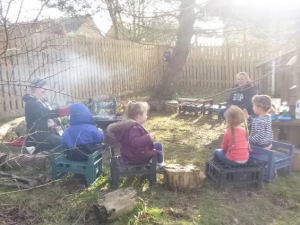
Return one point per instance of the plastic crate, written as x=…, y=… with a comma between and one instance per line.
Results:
x=221, y=176
x=191, y=108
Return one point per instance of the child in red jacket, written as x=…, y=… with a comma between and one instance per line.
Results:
x=235, y=146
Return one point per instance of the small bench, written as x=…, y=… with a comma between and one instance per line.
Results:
x=118, y=169
x=91, y=168
x=274, y=160
x=193, y=105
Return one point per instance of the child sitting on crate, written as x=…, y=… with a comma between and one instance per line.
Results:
x=82, y=138
x=261, y=134
x=235, y=146
x=137, y=144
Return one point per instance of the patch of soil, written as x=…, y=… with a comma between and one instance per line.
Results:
x=11, y=215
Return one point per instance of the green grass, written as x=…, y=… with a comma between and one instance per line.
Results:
x=186, y=140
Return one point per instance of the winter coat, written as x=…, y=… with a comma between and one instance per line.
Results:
x=136, y=145
x=37, y=114
x=242, y=97
x=82, y=137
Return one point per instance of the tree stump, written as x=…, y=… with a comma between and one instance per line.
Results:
x=115, y=204
x=183, y=178
x=171, y=106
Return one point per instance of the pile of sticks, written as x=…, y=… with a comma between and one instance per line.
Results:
x=14, y=181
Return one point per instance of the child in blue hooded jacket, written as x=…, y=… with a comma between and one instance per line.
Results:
x=82, y=138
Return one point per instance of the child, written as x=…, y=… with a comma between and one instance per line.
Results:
x=235, y=147
x=261, y=134
x=81, y=138
x=136, y=143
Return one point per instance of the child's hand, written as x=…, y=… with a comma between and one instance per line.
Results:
x=152, y=135
x=246, y=113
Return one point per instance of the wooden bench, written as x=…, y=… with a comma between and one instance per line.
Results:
x=281, y=156
x=118, y=169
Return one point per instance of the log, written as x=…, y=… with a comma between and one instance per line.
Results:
x=15, y=185
x=18, y=161
x=183, y=178
x=3, y=158
x=115, y=204
x=41, y=179
x=18, y=178
x=171, y=106
x=156, y=105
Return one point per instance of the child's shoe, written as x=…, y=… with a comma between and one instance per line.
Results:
x=161, y=167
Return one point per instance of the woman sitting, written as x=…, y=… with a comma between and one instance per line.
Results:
x=241, y=95
x=42, y=131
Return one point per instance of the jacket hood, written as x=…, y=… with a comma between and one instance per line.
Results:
x=80, y=114
x=116, y=131
x=27, y=97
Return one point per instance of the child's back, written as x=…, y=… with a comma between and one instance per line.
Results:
x=235, y=146
x=261, y=134
x=239, y=151
x=136, y=146
x=81, y=133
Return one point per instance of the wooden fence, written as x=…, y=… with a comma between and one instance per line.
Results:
x=79, y=68
x=216, y=66
x=76, y=68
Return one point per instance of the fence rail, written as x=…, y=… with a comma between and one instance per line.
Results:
x=79, y=68
x=75, y=68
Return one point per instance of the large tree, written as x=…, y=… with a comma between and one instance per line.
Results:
x=180, y=51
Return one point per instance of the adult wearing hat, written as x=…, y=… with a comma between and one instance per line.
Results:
x=39, y=116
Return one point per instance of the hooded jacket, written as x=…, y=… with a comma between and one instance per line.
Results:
x=36, y=115
x=136, y=145
x=81, y=133
x=242, y=97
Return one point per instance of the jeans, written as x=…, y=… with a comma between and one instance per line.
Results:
x=221, y=113
x=221, y=156
x=50, y=142
x=160, y=155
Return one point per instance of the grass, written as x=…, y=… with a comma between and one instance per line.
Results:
x=186, y=140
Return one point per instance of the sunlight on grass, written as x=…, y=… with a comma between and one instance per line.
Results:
x=186, y=140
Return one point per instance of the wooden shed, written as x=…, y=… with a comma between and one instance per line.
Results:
x=281, y=78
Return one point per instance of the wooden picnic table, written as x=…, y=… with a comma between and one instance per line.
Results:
x=103, y=121
x=287, y=131
x=194, y=100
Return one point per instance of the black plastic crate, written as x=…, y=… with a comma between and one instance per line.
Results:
x=221, y=176
x=191, y=108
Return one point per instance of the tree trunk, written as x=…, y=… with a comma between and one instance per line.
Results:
x=115, y=204
x=18, y=161
x=183, y=178
x=180, y=51
x=113, y=17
